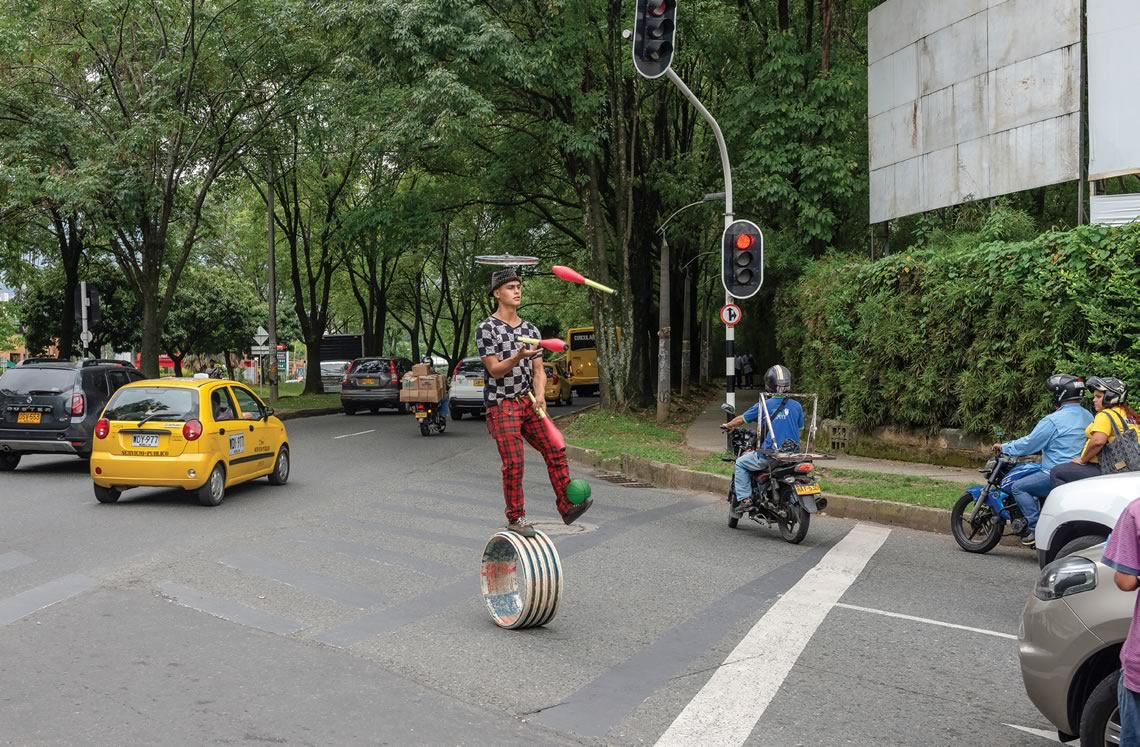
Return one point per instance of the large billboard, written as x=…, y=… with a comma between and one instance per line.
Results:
x=970, y=99
x=1114, y=80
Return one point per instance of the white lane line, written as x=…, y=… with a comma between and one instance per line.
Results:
x=1050, y=735
x=350, y=435
x=928, y=621
x=33, y=600
x=727, y=708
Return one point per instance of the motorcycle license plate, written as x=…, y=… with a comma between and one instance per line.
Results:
x=29, y=418
x=421, y=415
x=368, y=382
x=807, y=489
x=150, y=442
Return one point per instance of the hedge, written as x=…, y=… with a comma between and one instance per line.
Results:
x=963, y=333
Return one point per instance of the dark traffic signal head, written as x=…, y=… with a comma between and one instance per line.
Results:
x=742, y=259
x=654, y=28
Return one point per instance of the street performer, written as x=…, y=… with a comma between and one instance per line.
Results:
x=513, y=371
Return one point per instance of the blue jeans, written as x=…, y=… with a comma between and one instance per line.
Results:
x=1026, y=491
x=1129, y=703
x=746, y=464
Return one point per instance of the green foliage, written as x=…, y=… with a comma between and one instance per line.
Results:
x=965, y=332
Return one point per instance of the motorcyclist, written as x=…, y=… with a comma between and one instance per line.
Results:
x=787, y=418
x=1058, y=437
x=1112, y=415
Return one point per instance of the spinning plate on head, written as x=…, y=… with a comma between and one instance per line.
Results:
x=506, y=260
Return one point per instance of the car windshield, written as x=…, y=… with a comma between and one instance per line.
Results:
x=377, y=365
x=153, y=403
x=36, y=381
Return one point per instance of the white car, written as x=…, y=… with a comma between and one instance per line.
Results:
x=1080, y=514
x=467, y=388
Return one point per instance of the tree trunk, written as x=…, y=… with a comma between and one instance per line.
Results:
x=784, y=16
x=809, y=23
x=177, y=362
x=312, y=364
x=825, y=41
x=151, y=333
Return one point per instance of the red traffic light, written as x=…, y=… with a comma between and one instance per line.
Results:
x=745, y=241
x=657, y=8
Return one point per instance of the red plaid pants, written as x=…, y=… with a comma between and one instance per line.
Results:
x=509, y=422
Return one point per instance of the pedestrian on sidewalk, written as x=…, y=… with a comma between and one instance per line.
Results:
x=1122, y=554
x=749, y=367
x=514, y=372
x=1058, y=437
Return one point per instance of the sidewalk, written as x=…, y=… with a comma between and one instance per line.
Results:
x=705, y=434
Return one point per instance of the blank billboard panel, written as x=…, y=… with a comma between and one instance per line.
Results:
x=970, y=99
x=1114, y=80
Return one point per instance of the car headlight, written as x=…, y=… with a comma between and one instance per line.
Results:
x=1066, y=576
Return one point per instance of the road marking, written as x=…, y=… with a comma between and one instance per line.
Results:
x=927, y=620
x=1050, y=735
x=33, y=600
x=350, y=595
x=730, y=704
x=441, y=538
x=14, y=559
x=350, y=435
x=385, y=557
x=227, y=609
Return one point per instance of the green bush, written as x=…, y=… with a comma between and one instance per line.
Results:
x=963, y=332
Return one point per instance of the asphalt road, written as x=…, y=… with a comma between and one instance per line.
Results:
x=344, y=608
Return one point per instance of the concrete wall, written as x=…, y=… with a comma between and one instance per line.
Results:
x=970, y=99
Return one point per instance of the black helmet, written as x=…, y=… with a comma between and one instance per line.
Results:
x=1114, y=389
x=778, y=380
x=1065, y=388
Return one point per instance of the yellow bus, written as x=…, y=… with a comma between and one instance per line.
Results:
x=582, y=360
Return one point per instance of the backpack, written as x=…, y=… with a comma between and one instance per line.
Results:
x=1122, y=453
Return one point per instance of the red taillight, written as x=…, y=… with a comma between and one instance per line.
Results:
x=554, y=379
x=347, y=371
x=456, y=371
x=192, y=431
x=78, y=405
x=392, y=369
x=102, y=428
x=803, y=469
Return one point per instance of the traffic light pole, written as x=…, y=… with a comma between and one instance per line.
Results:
x=729, y=332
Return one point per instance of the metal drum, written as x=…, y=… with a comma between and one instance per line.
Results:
x=521, y=579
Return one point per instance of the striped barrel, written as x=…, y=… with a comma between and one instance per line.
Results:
x=521, y=580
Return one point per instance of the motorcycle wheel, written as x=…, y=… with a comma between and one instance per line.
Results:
x=795, y=527
x=425, y=429
x=981, y=536
x=733, y=518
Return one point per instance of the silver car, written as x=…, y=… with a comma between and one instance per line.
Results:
x=1072, y=630
x=332, y=374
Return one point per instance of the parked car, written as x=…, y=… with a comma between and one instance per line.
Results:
x=1081, y=514
x=50, y=406
x=332, y=374
x=1072, y=630
x=202, y=435
x=372, y=383
x=467, y=381
x=558, y=390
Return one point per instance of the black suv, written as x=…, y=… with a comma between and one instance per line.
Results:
x=49, y=406
x=372, y=383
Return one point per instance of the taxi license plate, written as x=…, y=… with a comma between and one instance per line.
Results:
x=144, y=441
x=807, y=489
x=479, y=382
x=368, y=382
x=29, y=418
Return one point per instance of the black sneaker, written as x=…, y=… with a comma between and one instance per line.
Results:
x=521, y=526
x=572, y=515
x=1029, y=540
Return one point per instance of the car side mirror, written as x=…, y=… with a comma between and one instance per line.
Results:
x=268, y=413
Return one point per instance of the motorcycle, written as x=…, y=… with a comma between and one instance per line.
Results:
x=979, y=517
x=432, y=417
x=787, y=494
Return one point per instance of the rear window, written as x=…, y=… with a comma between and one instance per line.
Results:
x=177, y=405
x=582, y=341
x=475, y=366
x=26, y=380
x=333, y=369
x=379, y=365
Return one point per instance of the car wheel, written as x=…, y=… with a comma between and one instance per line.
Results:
x=8, y=461
x=1078, y=544
x=106, y=495
x=280, y=473
x=456, y=414
x=349, y=410
x=374, y=409
x=214, y=491
x=1100, y=718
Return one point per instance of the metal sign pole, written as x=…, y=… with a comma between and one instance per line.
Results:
x=84, y=336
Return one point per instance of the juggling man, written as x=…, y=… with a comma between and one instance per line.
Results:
x=514, y=398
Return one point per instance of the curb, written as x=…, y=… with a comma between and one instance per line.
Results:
x=576, y=413
x=310, y=413
x=671, y=476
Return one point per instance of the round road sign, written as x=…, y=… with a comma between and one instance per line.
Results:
x=730, y=314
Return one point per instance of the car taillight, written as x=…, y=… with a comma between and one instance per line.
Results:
x=456, y=371
x=803, y=469
x=78, y=405
x=554, y=379
x=192, y=431
x=347, y=371
x=392, y=370
x=102, y=428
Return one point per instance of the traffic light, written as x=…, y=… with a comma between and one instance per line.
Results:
x=654, y=28
x=742, y=259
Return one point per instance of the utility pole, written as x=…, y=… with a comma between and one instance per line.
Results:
x=272, y=341
x=664, y=356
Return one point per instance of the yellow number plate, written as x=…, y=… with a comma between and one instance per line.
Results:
x=29, y=418
x=368, y=382
x=479, y=382
x=421, y=415
x=807, y=489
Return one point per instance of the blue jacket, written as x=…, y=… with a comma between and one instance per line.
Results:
x=787, y=421
x=1059, y=436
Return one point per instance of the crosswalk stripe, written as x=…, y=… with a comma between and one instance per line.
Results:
x=227, y=609
x=350, y=595
x=33, y=600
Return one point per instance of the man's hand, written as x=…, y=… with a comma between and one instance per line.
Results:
x=526, y=353
x=540, y=402
x=996, y=447
x=1077, y=460
x=734, y=423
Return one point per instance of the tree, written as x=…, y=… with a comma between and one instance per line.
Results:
x=213, y=313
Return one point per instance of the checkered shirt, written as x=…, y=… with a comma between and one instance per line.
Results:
x=496, y=337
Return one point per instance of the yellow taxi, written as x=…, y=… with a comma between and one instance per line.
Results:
x=202, y=435
x=558, y=389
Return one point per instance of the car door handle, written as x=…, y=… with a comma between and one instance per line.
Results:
x=221, y=431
